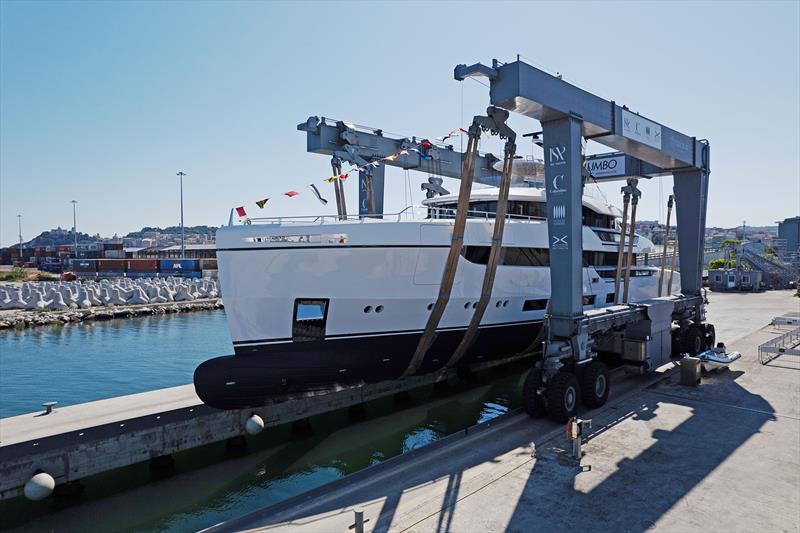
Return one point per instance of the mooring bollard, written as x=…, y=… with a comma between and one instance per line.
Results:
x=359, y=521
x=48, y=406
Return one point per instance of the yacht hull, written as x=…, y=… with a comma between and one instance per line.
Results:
x=258, y=374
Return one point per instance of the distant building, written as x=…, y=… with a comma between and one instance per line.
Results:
x=729, y=279
x=789, y=239
x=193, y=251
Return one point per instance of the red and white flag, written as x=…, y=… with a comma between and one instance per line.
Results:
x=291, y=193
x=241, y=212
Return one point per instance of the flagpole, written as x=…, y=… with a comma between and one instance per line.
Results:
x=75, y=226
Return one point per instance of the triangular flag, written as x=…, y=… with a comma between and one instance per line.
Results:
x=262, y=203
x=241, y=212
x=291, y=193
x=331, y=179
x=342, y=176
x=317, y=194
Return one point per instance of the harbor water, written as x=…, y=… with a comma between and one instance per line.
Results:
x=90, y=361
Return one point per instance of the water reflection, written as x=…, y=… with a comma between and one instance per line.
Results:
x=209, y=488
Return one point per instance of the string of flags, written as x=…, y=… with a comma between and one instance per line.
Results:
x=423, y=147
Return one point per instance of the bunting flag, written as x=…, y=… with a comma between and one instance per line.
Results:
x=290, y=194
x=334, y=178
x=422, y=154
x=241, y=212
x=443, y=138
x=262, y=203
x=316, y=192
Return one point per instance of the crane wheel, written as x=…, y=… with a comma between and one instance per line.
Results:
x=595, y=384
x=562, y=396
x=532, y=401
x=693, y=340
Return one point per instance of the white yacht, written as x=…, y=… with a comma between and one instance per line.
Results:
x=315, y=302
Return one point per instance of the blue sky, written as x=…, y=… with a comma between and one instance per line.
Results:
x=102, y=102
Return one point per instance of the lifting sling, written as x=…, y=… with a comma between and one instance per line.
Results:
x=495, y=123
x=670, y=203
x=495, y=258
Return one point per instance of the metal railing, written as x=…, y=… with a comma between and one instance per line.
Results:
x=409, y=213
x=785, y=344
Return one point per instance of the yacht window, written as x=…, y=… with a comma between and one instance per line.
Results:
x=517, y=256
x=588, y=299
x=309, y=319
x=534, y=305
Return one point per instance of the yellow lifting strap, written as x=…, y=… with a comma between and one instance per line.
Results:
x=456, y=243
x=495, y=258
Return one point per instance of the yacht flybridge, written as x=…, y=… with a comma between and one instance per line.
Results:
x=314, y=302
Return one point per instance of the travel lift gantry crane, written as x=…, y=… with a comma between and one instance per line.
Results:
x=642, y=334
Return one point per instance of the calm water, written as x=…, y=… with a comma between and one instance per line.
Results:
x=87, y=362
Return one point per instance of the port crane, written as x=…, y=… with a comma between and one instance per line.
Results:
x=643, y=335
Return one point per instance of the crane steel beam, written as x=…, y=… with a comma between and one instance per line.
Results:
x=336, y=138
x=527, y=90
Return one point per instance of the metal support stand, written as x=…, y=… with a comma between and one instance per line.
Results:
x=575, y=429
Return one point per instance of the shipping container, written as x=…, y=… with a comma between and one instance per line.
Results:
x=211, y=274
x=141, y=274
x=83, y=265
x=170, y=266
x=114, y=254
x=112, y=246
x=111, y=265
x=64, y=248
x=208, y=264
x=141, y=264
x=111, y=274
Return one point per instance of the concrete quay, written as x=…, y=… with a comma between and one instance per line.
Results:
x=723, y=456
x=81, y=440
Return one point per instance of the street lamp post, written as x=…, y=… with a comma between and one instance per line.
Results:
x=19, y=223
x=75, y=226
x=183, y=248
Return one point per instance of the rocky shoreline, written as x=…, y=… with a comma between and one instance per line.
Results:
x=27, y=319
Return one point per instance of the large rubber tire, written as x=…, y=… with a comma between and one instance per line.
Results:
x=562, y=396
x=595, y=384
x=693, y=340
x=710, y=336
x=532, y=401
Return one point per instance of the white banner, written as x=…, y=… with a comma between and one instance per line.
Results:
x=607, y=166
x=640, y=129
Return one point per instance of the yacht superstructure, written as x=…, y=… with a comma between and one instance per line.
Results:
x=318, y=302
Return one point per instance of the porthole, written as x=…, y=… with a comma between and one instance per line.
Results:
x=430, y=307
x=379, y=309
x=367, y=309
x=474, y=305
x=505, y=304
x=498, y=304
x=466, y=305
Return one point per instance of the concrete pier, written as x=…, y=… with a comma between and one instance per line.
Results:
x=74, y=442
x=722, y=456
